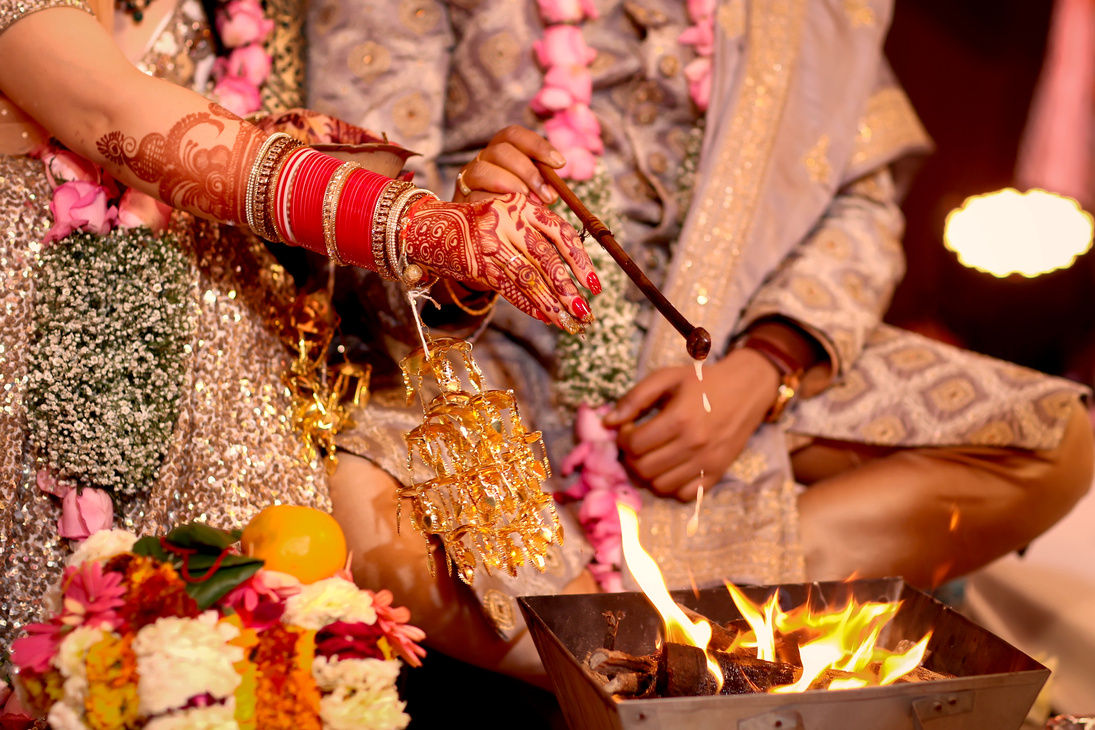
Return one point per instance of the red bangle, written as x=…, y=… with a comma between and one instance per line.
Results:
x=307, y=211
x=353, y=221
x=283, y=195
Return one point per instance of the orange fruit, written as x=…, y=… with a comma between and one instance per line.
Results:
x=301, y=541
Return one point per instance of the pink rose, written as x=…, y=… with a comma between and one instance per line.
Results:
x=589, y=424
x=701, y=36
x=250, y=62
x=243, y=22
x=563, y=45
x=698, y=73
x=566, y=11
x=564, y=86
x=699, y=10
x=85, y=513
x=136, y=209
x=607, y=577
x=80, y=205
x=237, y=95
x=581, y=164
x=64, y=166
x=51, y=485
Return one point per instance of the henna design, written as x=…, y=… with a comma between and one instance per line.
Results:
x=440, y=238
x=191, y=166
x=490, y=242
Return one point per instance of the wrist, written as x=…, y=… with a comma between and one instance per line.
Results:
x=784, y=363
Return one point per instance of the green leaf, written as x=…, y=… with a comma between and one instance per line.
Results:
x=200, y=536
x=150, y=547
x=224, y=580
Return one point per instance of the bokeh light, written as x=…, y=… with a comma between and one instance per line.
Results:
x=1008, y=232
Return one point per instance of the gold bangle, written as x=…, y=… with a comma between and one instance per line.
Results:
x=253, y=179
x=395, y=225
x=380, y=226
x=473, y=312
x=330, y=207
x=268, y=217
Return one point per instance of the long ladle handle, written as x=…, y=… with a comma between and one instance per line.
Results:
x=697, y=340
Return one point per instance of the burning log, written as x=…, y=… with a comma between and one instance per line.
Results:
x=610, y=662
x=727, y=637
x=682, y=672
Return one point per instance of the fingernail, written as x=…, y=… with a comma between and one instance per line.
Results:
x=542, y=317
x=546, y=192
x=581, y=308
x=556, y=159
x=594, y=283
x=570, y=324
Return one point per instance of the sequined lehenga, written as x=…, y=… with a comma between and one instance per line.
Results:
x=231, y=450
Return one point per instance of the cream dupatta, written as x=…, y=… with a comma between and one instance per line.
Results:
x=787, y=112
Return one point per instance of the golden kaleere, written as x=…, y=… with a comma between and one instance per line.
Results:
x=485, y=501
x=319, y=394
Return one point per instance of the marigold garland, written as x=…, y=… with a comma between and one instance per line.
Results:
x=98, y=665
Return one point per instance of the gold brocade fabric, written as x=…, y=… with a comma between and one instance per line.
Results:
x=284, y=88
x=232, y=451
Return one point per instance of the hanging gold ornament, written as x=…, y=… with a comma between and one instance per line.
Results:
x=318, y=393
x=485, y=500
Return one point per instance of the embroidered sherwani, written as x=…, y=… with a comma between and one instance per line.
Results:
x=792, y=211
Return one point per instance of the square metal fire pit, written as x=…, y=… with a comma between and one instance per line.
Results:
x=994, y=686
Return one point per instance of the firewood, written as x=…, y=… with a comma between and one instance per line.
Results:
x=612, y=626
x=722, y=637
x=725, y=637
x=682, y=672
x=630, y=684
x=610, y=662
x=922, y=674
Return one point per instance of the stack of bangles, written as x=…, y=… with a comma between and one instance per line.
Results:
x=303, y=197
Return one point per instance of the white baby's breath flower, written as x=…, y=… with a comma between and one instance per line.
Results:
x=327, y=601
x=105, y=340
x=102, y=545
x=180, y=658
x=359, y=694
x=213, y=717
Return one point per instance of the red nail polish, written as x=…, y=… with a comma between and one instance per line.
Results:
x=581, y=308
x=594, y=283
x=542, y=317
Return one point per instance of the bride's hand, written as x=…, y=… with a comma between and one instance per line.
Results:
x=505, y=166
x=511, y=245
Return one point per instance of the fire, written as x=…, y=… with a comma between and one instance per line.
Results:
x=844, y=640
x=679, y=629
x=841, y=640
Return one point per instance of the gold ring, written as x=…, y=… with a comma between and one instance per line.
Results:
x=464, y=189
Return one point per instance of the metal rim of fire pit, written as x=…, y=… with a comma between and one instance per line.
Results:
x=994, y=687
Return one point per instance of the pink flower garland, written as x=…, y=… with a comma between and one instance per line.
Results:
x=701, y=36
x=568, y=86
x=237, y=77
x=572, y=129
x=602, y=482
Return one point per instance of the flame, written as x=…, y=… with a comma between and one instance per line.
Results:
x=843, y=639
x=679, y=629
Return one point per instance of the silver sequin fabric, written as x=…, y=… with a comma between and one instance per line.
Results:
x=232, y=451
